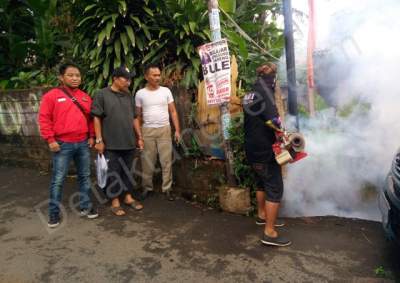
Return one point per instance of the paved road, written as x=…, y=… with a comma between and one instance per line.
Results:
x=177, y=242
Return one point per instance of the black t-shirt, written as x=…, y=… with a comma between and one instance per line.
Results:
x=117, y=111
x=259, y=107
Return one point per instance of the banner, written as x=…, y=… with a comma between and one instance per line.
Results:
x=215, y=61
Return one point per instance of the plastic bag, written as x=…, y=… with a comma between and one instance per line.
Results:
x=101, y=169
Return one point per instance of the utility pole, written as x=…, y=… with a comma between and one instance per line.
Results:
x=290, y=60
x=213, y=14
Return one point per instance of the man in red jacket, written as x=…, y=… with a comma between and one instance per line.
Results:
x=65, y=124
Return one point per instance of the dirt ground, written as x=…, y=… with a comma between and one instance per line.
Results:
x=177, y=242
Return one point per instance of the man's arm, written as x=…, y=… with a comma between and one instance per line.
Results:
x=137, y=124
x=175, y=120
x=99, y=146
x=46, y=122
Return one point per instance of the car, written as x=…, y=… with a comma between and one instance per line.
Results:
x=389, y=201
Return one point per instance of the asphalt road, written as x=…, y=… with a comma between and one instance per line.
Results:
x=177, y=242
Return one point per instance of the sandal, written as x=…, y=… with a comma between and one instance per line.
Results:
x=135, y=205
x=118, y=211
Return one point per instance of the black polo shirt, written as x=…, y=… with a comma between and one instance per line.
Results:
x=117, y=111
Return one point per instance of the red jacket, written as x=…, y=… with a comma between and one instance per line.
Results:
x=60, y=119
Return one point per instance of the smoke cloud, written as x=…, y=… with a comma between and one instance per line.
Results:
x=352, y=144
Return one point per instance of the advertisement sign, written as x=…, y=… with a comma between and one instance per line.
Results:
x=215, y=62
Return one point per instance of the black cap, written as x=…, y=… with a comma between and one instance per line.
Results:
x=122, y=72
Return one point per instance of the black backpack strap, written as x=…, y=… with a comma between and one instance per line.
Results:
x=75, y=101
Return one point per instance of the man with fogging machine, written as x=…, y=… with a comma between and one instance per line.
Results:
x=261, y=124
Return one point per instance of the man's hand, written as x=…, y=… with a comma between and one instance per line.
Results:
x=177, y=137
x=54, y=147
x=100, y=147
x=91, y=142
x=140, y=144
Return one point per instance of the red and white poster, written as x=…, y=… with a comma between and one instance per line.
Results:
x=215, y=61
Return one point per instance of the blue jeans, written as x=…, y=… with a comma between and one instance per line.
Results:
x=79, y=152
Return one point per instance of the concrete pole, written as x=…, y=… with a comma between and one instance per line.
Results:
x=213, y=14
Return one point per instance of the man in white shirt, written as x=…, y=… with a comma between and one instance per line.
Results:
x=154, y=107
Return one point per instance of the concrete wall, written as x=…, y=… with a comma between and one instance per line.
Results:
x=20, y=142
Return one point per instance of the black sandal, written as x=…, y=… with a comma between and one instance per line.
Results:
x=117, y=209
x=136, y=205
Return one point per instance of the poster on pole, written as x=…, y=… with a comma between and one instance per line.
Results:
x=216, y=65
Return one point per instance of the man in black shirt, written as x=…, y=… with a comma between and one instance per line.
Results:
x=261, y=122
x=115, y=126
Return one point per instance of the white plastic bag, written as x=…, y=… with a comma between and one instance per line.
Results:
x=101, y=169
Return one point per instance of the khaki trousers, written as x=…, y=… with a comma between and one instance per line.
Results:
x=157, y=141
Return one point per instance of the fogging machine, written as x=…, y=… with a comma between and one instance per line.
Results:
x=289, y=147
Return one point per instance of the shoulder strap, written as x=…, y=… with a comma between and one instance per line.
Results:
x=74, y=100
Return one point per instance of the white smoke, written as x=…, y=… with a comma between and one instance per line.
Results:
x=349, y=156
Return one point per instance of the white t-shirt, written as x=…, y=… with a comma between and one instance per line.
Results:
x=154, y=104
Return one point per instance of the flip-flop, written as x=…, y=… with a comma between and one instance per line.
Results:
x=135, y=205
x=116, y=209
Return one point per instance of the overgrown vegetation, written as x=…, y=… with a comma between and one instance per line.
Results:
x=101, y=35
x=243, y=172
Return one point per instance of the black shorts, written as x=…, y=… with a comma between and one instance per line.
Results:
x=269, y=179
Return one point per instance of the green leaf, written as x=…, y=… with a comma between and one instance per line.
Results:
x=122, y=5
x=131, y=35
x=114, y=18
x=162, y=31
x=105, y=18
x=153, y=52
x=106, y=68
x=109, y=50
x=84, y=20
x=187, y=77
x=192, y=26
x=101, y=37
x=75, y=52
x=109, y=29
x=146, y=32
x=195, y=62
x=186, y=48
x=176, y=15
x=137, y=82
x=124, y=40
x=139, y=43
x=89, y=7
x=136, y=19
x=186, y=28
x=228, y=6
x=117, y=49
x=95, y=63
x=151, y=42
x=117, y=62
x=148, y=11
x=100, y=81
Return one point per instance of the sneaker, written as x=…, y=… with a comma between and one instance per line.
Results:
x=89, y=213
x=278, y=222
x=54, y=221
x=169, y=196
x=277, y=241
